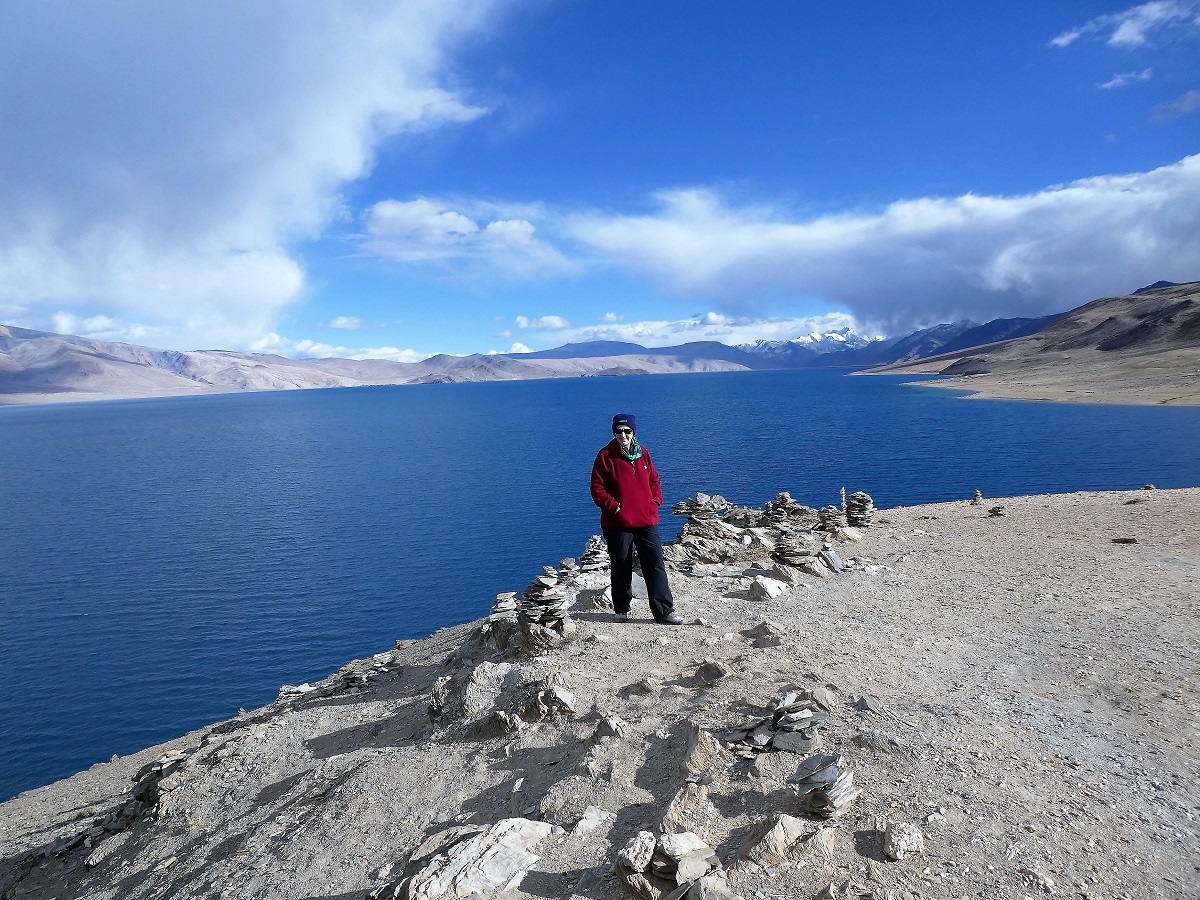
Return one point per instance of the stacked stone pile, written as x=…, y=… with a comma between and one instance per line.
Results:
x=860, y=509
x=824, y=785
x=595, y=555
x=830, y=518
x=546, y=600
x=679, y=866
x=701, y=504
x=504, y=608
x=795, y=553
x=351, y=678
x=783, y=511
x=977, y=499
x=791, y=726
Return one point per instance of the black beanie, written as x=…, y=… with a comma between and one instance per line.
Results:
x=624, y=419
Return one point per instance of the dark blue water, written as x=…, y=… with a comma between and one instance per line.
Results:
x=164, y=562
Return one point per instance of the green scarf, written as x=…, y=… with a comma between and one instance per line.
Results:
x=634, y=452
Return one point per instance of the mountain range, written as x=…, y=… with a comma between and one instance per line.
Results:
x=38, y=366
x=1142, y=347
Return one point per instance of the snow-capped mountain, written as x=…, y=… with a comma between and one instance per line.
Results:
x=817, y=341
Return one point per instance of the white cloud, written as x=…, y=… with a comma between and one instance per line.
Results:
x=303, y=349
x=425, y=231
x=308, y=349
x=550, y=323
x=611, y=317
x=518, y=347
x=922, y=261
x=395, y=354
x=1177, y=108
x=712, y=327
x=346, y=323
x=1125, y=78
x=160, y=159
x=1133, y=27
x=99, y=328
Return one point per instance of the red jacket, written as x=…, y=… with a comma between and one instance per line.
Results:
x=632, y=486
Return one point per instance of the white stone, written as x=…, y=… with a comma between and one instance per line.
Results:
x=680, y=844
x=764, y=588
x=486, y=865
x=902, y=839
x=593, y=818
x=636, y=854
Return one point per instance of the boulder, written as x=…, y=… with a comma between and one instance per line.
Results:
x=484, y=865
x=635, y=856
x=704, y=752
x=902, y=840
x=764, y=588
x=691, y=810
x=775, y=840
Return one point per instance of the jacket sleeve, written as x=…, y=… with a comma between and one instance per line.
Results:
x=655, y=485
x=600, y=495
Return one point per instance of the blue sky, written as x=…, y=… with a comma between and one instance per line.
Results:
x=381, y=179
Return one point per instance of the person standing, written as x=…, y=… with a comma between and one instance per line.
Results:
x=625, y=486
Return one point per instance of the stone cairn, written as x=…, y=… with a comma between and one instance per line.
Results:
x=718, y=531
x=977, y=499
x=830, y=518
x=675, y=865
x=595, y=555
x=860, y=510
x=791, y=726
x=541, y=612
x=824, y=785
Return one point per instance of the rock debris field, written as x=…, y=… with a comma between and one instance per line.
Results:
x=925, y=702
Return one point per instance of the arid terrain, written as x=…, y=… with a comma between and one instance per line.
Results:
x=1020, y=684
x=1139, y=348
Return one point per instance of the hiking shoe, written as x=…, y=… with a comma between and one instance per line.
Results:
x=670, y=618
x=620, y=617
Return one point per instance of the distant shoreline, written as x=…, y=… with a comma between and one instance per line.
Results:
x=981, y=387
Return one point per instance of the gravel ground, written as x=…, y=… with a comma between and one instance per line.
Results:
x=1036, y=714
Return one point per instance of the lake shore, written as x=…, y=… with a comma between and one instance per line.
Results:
x=1020, y=686
x=1089, y=384
x=1058, y=388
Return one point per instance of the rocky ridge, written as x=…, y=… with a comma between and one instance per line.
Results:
x=971, y=705
x=1142, y=347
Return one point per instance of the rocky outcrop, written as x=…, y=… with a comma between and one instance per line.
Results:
x=789, y=755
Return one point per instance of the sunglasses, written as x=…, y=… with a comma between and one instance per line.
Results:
x=623, y=431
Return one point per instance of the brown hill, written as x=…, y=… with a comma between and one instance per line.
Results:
x=1140, y=348
x=37, y=366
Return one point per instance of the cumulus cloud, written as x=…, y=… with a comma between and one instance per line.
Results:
x=1125, y=78
x=308, y=349
x=712, y=326
x=162, y=158
x=518, y=347
x=346, y=323
x=99, y=328
x=304, y=349
x=550, y=323
x=445, y=232
x=1133, y=27
x=922, y=261
x=611, y=317
x=1177, y=108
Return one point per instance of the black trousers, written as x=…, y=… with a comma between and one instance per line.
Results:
x=649, y=549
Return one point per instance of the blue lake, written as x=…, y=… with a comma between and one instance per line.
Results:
x=165, y=562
